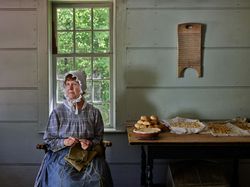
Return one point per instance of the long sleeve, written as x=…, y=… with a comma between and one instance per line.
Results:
x=51, y=136
x=99, y=128
x=64, y=123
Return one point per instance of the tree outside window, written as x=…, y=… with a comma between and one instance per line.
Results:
x=83, y=41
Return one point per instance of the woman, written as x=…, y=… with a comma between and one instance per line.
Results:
x=74, y=122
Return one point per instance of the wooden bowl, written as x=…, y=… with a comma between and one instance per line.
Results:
x=146, y=133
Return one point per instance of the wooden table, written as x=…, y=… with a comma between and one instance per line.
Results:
x=172, y=146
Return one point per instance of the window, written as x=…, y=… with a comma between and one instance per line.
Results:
x=82, y=39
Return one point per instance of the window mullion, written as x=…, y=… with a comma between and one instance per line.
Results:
x=92, y=56
x=74, y=39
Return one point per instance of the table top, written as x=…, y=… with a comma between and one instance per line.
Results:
x=173, y=139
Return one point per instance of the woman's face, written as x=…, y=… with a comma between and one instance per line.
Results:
x=72, y=88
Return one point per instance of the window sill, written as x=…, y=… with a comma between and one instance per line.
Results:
x=113, y=130
x=106, y=131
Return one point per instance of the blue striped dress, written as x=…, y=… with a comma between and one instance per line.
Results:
x=62, y=123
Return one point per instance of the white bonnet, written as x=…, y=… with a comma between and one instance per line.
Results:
x=80, y=77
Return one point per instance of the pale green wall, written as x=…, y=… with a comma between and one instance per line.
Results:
x=151, y=59
x=146, y=77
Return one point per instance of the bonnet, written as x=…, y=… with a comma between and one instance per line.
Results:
x=81, y=79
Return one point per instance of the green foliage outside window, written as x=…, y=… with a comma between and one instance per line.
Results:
x=83, y=42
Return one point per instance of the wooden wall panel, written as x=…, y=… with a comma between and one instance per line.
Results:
x=20, y=68
x=153, y=67
x=18, y=105
x=187, y=4
x=158, y=28
x=146, y=56
x=20, y=137
x=19, y=30
x=131, y=178
x=201, y=103
x=18, y=175
x=18, y=4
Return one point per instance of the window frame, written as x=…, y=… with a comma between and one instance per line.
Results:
x=111, y=54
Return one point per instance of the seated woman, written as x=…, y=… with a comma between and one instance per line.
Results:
x=74, y=122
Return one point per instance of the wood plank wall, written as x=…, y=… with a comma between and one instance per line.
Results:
x=152, y=84
x=23, y=88
x=146, y=77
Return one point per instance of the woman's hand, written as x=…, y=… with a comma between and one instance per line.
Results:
x=70, y=141
x=85, y=144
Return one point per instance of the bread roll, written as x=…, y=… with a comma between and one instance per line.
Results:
x=144, y=118
x=146, y=123
x=137, y=125
x=154, y=118
x=140, y=121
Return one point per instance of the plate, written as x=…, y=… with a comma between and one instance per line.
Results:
x=225, y=129
x=146, y=133
x=180, y=125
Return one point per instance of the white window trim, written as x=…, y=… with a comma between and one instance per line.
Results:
x=118, y=125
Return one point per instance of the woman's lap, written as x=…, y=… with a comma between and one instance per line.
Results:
x=56, y=172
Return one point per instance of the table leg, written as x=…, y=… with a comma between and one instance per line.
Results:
x=143, y=166
x=146, y=167
x=235, y=181
x=149, y=169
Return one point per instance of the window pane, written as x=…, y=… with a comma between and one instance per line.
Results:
x=105, y=111
x=84, y=64
x=83, y=42
x=101, y=18
x=89, y=91
x=105, y=91
x=101, y=68
x=83, y=18
x=101, y=91
x=64, y=64
x=64, y=19
x=83, y=38
x=101, y=41
x=59, y=91
x=65, y=42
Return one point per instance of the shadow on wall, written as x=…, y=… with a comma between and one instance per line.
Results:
x=186, y=114
x=139, y=85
